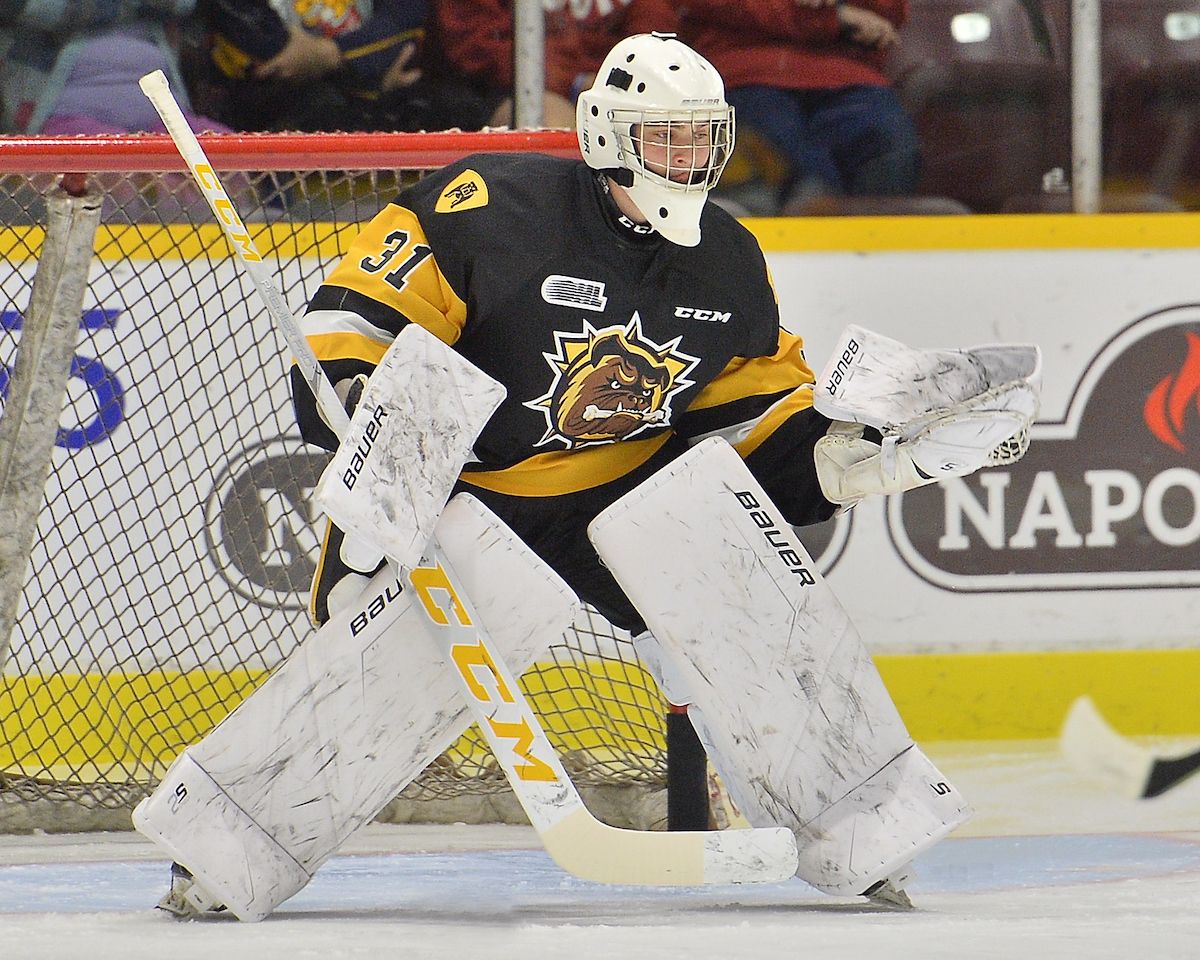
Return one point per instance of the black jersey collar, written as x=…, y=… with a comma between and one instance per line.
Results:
x=627, y=228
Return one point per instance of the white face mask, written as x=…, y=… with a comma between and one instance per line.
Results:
x=657, y=117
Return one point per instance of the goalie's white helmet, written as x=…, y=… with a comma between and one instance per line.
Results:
x=656, y=121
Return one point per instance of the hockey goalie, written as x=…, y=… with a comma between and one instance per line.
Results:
x=569, y=382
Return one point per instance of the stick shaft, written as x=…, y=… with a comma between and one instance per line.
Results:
x=155, y=86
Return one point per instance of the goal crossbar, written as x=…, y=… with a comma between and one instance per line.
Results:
x=150, y=152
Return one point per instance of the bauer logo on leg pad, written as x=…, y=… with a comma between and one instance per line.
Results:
x=375, y=606
x=794, y=559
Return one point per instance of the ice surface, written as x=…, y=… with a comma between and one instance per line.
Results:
x=1049, y=868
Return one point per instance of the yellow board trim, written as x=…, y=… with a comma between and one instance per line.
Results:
x=994, y=232
x=1018, y=696
x=1127, y=231
x=110, y=724
x=180, y=241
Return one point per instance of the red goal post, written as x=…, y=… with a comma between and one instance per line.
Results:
x=175, y=538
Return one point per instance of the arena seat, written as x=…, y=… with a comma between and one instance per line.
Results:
x=987, y=84
x=876, y=206
x=1120, y=202
x=1151, y=78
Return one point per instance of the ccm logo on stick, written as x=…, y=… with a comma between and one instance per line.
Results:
x=359, y=459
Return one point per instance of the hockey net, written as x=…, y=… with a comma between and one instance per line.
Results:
x=176, y=538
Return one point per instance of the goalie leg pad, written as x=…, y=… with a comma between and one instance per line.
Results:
x=786, y=697
x=256, y=872
x=349, y=720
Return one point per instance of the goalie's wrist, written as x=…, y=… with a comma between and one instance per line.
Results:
x=850, y=467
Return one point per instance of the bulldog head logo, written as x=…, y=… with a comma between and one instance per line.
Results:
x=610, y=384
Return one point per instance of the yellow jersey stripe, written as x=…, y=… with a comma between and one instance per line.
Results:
x=787, y=407
x=390, y=41
x=347, y=346
x=785, y=370
x=567, y=471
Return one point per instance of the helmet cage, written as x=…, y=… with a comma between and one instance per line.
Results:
x=679, y=150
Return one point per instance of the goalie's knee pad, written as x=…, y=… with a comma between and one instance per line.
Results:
x=344, y=569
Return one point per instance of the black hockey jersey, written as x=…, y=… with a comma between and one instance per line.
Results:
x=609, y=344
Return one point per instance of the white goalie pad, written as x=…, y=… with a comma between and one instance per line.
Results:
x=792, y=709
x=410, y=435
x=957, y=410
x=352, y=717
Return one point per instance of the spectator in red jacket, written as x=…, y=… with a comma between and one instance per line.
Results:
x=477, y=39
x=808, y=77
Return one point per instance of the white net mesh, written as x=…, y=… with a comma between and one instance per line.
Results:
x=177, y=539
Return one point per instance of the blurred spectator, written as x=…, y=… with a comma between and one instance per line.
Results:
x=322, y=66
x=807, y=77
x=73, y=68
x=477, y=38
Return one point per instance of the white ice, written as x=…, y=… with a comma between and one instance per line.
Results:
x=1050, y=867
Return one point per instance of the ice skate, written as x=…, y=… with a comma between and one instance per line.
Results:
x=890, y=892
x=186, y=899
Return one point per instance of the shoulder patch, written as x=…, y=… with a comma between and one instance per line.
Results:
x=467, y=191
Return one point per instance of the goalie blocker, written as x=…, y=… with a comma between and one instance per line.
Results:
x=783, y=692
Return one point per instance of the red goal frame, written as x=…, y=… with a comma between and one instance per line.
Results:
x=152, y=152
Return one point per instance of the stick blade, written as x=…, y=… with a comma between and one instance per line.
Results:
x=596, y=851
x=1093, y=748
x=755, y=855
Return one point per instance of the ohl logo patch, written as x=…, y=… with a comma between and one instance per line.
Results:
x=610, y=384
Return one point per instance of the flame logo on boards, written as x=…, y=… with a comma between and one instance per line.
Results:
x=1167, y=406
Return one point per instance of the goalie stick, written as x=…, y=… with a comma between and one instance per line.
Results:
x=1095, y=749
x=574, y=838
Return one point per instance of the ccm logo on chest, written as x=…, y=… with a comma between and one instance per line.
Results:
x=359, y=459
x=696, y=313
